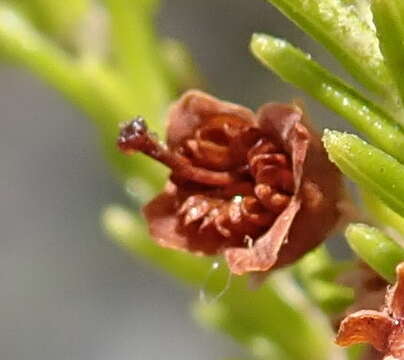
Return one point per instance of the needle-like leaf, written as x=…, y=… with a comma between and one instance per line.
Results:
x=376, y=249
x=374, y=170
x=296, y=67
x=350, y=39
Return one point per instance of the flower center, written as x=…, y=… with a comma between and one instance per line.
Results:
x=231, y=179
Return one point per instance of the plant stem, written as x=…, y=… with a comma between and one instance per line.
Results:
x=96, y=89
x=263, y=312
x=137, y=52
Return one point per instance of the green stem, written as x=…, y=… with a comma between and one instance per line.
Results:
x=114, y=95
x=55, y=18
x=181, y=68
x=371, y=168
x=345, y=35
x=264, y=312
x=94, y=88
x=296, y=67
x=137, y=52
x=218, y=316
x=376, y=249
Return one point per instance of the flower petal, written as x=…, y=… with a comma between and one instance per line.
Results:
x=321, y=182
x=396, y=341
x=395, y=295
x=366, y=326
x=282, y=123
x=193, y=108
x=279, y=121
x=264, y=254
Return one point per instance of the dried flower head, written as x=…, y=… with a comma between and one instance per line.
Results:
x=256, y=187
x=384, y=329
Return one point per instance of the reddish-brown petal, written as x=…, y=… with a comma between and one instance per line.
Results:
x=281, y=123
x=395, y=295
x=366, y=326
x=264, y=254
x=369, y=288
x=196, y=107
x=322, y=187
x=396, y=341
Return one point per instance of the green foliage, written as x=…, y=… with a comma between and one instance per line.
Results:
x=383, y=213
x=344, y=34
x=389, y=20
x=57, y=18
x=140, y=74
x=95, y=87
x=376, y=249
x=374, y=170
x=317, y=272
x=240, y=312
x=137, y=52
x=296, y=67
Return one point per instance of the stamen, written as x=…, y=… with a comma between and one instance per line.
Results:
x=135, y=137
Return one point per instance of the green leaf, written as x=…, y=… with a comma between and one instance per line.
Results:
x=330, y=297
x=382, y=212
x=376, y=249
x=388, y=16
x=318, y=264
x=338, y=28
x=374, y=170
x=296, y=67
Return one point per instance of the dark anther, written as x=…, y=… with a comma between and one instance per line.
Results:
x=134, y=136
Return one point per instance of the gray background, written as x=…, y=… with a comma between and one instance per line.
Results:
x=66, y=291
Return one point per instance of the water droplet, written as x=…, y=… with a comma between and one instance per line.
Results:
x=203, y=291
x=238, y=199
x=193, y=212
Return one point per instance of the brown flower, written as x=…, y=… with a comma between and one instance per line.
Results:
x=257, y=188
x=384, y=330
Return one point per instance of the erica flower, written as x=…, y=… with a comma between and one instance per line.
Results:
x=384, y=330
x=257, y=188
